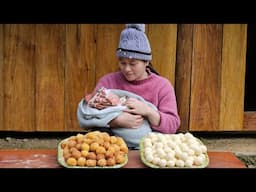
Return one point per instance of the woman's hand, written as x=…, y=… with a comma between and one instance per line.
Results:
x=127, y=120
x=136, y=106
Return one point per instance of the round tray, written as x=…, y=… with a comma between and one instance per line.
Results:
x=205, y=164
x=62, y=162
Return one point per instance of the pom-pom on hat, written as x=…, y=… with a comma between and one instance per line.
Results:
x=134, y=43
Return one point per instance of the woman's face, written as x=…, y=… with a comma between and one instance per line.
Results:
x=133, y=69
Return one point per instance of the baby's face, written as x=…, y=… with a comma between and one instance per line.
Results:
x=113, y=98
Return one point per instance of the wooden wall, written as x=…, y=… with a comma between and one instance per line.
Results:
x=210, y=78
x=46, y=69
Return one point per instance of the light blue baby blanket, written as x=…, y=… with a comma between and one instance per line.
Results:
x=92, y=117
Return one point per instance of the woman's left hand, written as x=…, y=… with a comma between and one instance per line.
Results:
x=136, y=106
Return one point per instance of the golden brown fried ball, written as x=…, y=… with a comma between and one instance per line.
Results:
x=119, y=152
x=102, y=162
x=87, y=140
x=72, y=138
x=100, y=141
x=66, y=153
x=81, y=161
x=111, y=161
x=100, y=150
x=94, y=146
x=71, y=161
x=116, y=147
x=76, y=154
x=84, y=153
x=109, y=154
x=124, y=148
x=79, y=138
x=112, y=149
x=106, y=136
x=91, y=155
x=113, y=139
x=119, y=141
x=78, y=146
x=91, y=162
x=120, y=158
x=64, y=144
x=71, y=143
x=106, y=144
x=72, y=149
x=85, y=146
x=100, y=156
x=92, y=134
x=79, y=135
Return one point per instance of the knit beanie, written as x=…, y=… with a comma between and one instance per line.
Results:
x=134, y=43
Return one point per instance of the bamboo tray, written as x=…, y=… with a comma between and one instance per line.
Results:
x=62, y=162
x=149, y=164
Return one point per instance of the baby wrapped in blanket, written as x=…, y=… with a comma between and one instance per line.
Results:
x=98, y=109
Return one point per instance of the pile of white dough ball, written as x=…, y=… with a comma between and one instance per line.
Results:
x=174, y=150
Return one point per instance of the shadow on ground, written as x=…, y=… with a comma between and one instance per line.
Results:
x=248, y=160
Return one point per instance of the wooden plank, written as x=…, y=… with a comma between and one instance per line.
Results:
x=80, y=70
x=249, y=123
x=206, y=78
x=134, y=160
x=183, y=73
x=28, y=158
x=19, y=77
x=1, y=76
x=47, y=158
x=107, y=36
x=224, y=159
x=163, y=39
x=50, y=77
x=233, y=77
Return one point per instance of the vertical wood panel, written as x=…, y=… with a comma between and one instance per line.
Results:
x=163, y=39
x=1, y=77
x=183, y=73
x=233, y=77
x=80, y=70
x=19, y=77
x=107, y=42
x=50, y=77
x=46, y=69
x=249, y=123
x=206, y=76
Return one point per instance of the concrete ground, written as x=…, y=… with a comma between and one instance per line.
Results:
x=237, y=144
x=243, y=147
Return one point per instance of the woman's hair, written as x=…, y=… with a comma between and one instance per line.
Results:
x=151, y=68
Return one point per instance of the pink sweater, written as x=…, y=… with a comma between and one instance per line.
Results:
x=155, y=89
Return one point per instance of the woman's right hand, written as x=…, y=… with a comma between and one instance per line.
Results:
x=127, y=120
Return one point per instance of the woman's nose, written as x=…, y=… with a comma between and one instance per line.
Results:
x=127, y=67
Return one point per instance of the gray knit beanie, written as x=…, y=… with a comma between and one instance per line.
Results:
x=134, y=43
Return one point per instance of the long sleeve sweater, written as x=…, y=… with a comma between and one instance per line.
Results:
x=155, y=89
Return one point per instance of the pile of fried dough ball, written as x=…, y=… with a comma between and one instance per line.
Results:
x=174, y=150
x=94, y=149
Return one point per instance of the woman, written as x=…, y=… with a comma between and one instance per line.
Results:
x=137, y=76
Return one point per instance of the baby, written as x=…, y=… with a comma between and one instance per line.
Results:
x=99, y=108
x=104, y=98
